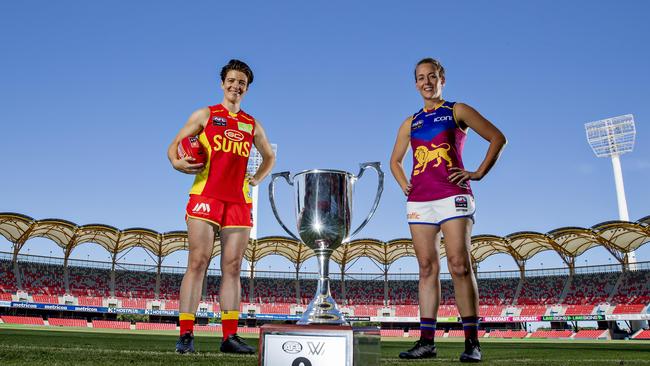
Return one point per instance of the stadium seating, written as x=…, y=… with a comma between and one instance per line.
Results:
x=590, y=288
x=92, y=282
x=590, y=334
x=391, y=332
x=5, y=296
x=634, y=288
x=500, y=291
x=249, y=330
x=541, y=290
x=494, y=310
x=455, y=333
x=533, y=310
x=155, y=326
x=207, y=328
x=415, y=333
x=551, y=334
x=27, y=320
x=171, y=304
x=7, y=278
x=40, y=278
x=276, y=308
x=645, y=334
x=508, y=333
x=59, y=322
x=45, y=299
x=111, y=324
x=367, y=310
x=406, y=310
x=133, y=303
x=447, y=311
x=629, y=309
x=135, y=284
x=579, y=310
x=89, y=301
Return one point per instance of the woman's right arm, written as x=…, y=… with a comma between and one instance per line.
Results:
x=194, y=125
x=397, y=157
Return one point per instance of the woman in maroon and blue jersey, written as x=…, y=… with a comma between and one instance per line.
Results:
x=440, y=200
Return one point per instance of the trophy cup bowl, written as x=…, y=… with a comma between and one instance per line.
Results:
x=323, y=218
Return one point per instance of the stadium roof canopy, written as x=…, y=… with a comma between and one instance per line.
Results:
x=617, y=237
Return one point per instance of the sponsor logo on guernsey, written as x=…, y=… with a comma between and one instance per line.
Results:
x=443, y=119
x=201, y=207
x=229, y=145
x=246, y=127
x=461, y=203
x=234, y=135
x=412, y=216
x=417, y=124
x=219, y=121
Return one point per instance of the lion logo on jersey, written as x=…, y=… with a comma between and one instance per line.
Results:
x=424, y=156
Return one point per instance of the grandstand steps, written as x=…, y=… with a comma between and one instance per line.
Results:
x=565, y=290
x=615, y=288
x=520, y=285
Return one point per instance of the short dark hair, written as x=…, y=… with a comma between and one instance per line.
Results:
x=436, y=64
x=237, y=66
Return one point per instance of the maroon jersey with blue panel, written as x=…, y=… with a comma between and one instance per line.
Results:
x=437, y=142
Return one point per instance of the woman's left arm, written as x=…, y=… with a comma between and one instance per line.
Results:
x=469, y=117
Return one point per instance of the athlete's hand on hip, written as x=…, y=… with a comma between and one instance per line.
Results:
x=253, y=181
x=459, y=176
x=407, y=189
x=186, y=165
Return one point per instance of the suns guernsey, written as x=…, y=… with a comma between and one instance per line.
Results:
x=227, y=139
x=437, y=143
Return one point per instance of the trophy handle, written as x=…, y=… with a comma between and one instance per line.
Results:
x=380, y=188
x=287, y=177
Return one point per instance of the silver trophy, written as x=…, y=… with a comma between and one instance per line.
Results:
x=324, y=215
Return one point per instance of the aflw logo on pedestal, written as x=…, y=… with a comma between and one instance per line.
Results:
x=316, y=348
x=201, y=207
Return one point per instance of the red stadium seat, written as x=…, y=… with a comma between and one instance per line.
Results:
x=82, y=323
x=26, y=320
x=110, y=324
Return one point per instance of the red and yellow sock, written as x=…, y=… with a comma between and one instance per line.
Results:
x=187, y=323
x=229, y=321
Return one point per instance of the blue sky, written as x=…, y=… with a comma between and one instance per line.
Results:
x=92, y=94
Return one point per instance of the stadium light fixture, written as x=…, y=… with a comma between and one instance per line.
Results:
x=612, y=137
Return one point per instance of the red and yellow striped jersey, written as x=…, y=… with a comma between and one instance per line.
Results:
x=227, y=139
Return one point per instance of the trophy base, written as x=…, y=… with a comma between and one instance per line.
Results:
x=322, y=310
x=318, y=345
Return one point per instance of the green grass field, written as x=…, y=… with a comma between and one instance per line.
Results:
x=23, y=345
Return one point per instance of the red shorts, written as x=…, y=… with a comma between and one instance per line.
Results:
x=221, y=213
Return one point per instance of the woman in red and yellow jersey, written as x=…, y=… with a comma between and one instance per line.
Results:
x=220, y=201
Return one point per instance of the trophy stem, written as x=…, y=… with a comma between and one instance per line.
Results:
x=323, y=288
x=322, y=309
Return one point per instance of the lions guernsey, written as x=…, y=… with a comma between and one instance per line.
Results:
x=437, y=143
x=227, y=139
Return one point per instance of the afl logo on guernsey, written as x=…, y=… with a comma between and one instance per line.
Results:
x=234, y=135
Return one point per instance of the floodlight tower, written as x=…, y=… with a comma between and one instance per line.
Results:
x=613, y=137
x=254, y=161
